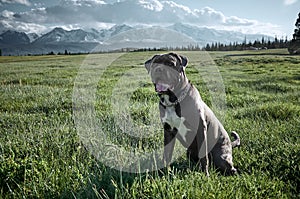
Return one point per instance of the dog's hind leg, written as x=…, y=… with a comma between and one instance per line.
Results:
x=222, y=156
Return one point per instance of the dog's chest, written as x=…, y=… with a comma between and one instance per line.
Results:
x=175, y=121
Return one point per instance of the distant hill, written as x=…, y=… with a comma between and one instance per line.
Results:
x=11, y=37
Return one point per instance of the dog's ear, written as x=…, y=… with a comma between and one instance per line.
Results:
x=184, y=62
x=182, y=59
x=149, y=62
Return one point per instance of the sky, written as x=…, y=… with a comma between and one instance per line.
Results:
x=272, y=17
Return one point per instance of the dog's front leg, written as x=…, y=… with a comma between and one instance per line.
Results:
x=169, y=142
x=202, y=143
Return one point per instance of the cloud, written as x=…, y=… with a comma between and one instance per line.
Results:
x=209, y=16
x=236, y=21
x=23, y=2
x=255, y=28
x=155, y=5
x=81, y=2
x=9, y=20
x=289, y=2
x=5, y=14
x=98, y=14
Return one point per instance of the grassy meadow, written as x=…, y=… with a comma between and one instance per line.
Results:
x=43, y=156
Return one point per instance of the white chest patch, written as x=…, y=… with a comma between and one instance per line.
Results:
x=174, y=121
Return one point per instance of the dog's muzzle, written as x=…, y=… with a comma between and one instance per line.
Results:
x=163, y=87
x=165, y=79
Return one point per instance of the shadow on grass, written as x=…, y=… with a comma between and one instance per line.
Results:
x=105, y=182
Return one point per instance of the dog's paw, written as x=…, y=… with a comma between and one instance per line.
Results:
x=233, y=172
x=237, y=139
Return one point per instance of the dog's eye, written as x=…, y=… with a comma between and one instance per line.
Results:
x=171, y=64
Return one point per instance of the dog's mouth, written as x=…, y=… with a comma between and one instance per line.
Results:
x=163, y=87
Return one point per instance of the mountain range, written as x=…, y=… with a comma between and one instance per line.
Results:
x=117, y=37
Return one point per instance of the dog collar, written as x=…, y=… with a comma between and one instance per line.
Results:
x=184, y=94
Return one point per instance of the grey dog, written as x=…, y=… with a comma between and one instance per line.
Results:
x=186, y=117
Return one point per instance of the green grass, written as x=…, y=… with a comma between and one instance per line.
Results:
x=42, y=155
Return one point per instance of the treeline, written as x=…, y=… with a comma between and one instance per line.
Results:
x=262, y=44
x=256, y=45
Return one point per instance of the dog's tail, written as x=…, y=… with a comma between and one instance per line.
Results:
x=237, y=140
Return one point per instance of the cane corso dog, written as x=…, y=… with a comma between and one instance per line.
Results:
x=186, y=117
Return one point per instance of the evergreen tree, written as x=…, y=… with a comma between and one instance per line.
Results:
x=296, y=35
x=294, y=47
x=263, y=41
x=207, y=48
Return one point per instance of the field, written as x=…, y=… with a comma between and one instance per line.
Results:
x=48, y=147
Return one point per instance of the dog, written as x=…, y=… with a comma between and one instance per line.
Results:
x=186, y=117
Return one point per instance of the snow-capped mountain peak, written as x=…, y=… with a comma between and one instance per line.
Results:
x=120, y=36
x=59, y=34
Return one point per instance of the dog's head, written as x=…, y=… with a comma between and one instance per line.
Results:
x=167, y=72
